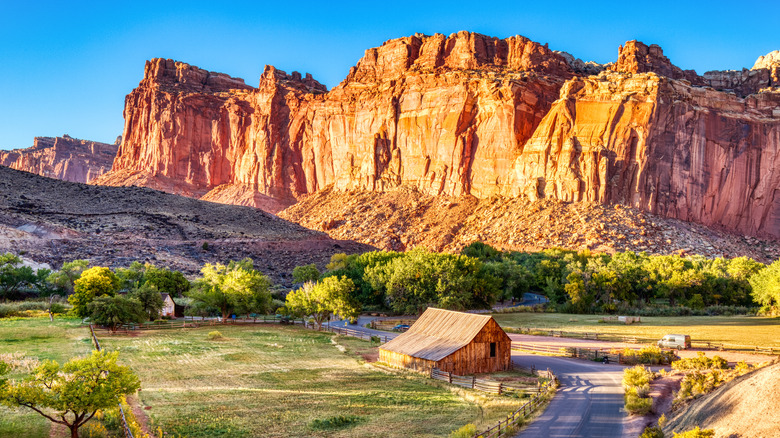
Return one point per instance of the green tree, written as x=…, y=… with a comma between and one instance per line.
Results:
x=66, y=277
x=331, y=296
x=150, y=299
x=235, y=287
x=302, y=274
x=766, y=288
x=73, y=393
x=93, y=282
x=482, y=251
x=113, y=311
x=14, y=276
x=133, y=276
x=167, y=281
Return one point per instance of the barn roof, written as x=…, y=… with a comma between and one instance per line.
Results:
x=437, y=334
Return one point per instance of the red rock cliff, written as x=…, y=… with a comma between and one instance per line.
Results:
x=467, y=114
x=65, y=158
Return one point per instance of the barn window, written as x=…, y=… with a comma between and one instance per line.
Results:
x=492, y=349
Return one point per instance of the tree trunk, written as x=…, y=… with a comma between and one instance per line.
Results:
x=74, y=431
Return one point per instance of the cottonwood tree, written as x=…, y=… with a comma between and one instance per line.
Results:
x=150, y=299
x=66, y=277
x=113, y=311
x=331, y=296
x=14, y=276
x=235, y=287
x=72, y=394
x=306, y=273
x=93, y=283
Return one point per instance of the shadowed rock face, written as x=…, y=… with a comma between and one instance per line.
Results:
x=472, y=115
x=64, y=158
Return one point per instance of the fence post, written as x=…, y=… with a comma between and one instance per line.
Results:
x=473, y=381
x=449, y=377
x=500, y=387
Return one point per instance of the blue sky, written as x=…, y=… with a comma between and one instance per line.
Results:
x=67, y=68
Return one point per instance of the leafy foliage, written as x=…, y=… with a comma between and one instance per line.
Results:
x=66, y=277
x=92, y=283
x=303, y=274
x=237, y=287
x=696, y=433
x=76, y=391
x=113, y=311
x=150, y=300
x=331, y=296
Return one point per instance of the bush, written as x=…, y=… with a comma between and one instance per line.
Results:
x=636, y=405
x=651, y=355
x=337, y=422
x=700, y=362
x=652, y=432
x=215, y=336
x=466, y=431
x=639, y=376
x=696, y=433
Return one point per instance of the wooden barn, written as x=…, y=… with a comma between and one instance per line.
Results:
x=456, y=342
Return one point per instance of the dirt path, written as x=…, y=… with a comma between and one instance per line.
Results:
x=140, y=415
x=731, y=356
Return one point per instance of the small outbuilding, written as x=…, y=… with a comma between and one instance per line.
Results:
x=455, y=342
x=169, y=307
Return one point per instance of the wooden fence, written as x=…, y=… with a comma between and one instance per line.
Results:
x=483, y=385
x=594, y=354
x=356, y=333
x=507, y=426
x=125, y=426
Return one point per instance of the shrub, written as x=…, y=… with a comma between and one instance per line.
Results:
x=651, y=355
x=700, y=362
x=215, y=335
x=636, y=405
x=639, y=376
x=652, y=432
x=466, y=431
x=696, y=433
x=337, y=422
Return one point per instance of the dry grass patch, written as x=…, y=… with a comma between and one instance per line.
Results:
x=279, y=381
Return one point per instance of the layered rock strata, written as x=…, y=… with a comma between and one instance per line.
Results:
x=64, y=158
x=471, y=115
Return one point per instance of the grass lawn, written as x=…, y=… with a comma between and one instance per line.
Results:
x=747, y=331
x=23, y=343
x=281, y=381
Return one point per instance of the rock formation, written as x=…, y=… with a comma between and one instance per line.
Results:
x=64, y=158
x=468, y=114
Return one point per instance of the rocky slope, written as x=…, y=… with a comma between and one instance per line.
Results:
x=469, y=115
x=51, y=221
x=745, y=407
x=64, y=158
x=403, y=218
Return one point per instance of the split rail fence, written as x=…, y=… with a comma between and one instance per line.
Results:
x=125, y=426
x=483, y=385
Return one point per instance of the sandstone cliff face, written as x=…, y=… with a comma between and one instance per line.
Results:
x=64, y=158
x=468, y=114
x=660, y=145
x=446, y=114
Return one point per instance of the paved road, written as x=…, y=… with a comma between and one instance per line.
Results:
x=588, y=404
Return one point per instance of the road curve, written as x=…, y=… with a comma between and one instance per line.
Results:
x=588, y=404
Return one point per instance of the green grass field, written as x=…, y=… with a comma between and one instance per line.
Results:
x=24, y=342
x=280, y=381
x=747, y=331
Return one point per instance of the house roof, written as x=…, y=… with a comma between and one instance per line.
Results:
x=437, y=334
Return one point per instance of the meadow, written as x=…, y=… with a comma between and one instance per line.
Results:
x=279, y=381
x=24, y=342
x=736, y=331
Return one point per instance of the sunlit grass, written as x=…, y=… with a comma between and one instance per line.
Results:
x=24, y=342
x=278, y=381
x=748, y=331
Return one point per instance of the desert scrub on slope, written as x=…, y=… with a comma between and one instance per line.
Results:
x=703, y=374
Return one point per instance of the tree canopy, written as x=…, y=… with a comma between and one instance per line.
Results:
x=330, y=296
x=93, y=282
x=113, y=311
x=237, y=287
x=73, y=393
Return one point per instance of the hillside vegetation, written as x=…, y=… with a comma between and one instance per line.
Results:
x=745, y=407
